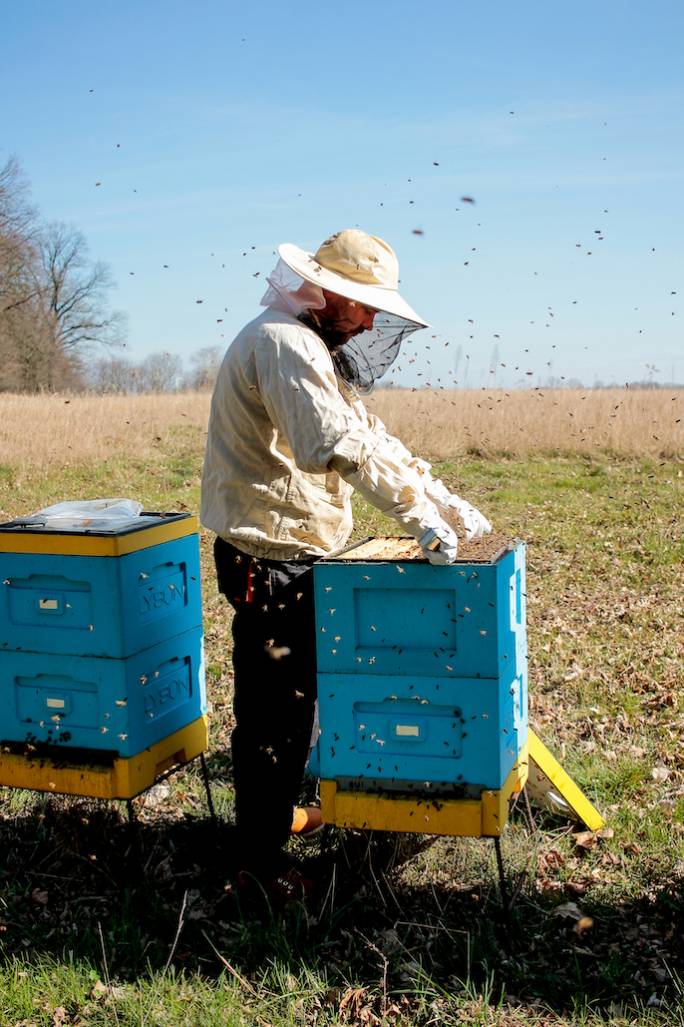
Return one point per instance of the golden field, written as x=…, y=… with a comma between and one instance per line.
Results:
x=47, y=432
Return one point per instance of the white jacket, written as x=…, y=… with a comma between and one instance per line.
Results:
x=287, y=440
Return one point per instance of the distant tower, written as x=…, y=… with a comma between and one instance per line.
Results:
x=457, y=361
x=493, y=365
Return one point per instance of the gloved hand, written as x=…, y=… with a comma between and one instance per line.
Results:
x=476, y=524
x=452, y=506
x=439, y=543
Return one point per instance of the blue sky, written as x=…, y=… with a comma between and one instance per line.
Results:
x=241, y=126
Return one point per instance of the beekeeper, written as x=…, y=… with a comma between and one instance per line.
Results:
x=289, y=439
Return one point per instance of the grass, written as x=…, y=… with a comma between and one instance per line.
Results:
x=437, y=423
x=406, y=931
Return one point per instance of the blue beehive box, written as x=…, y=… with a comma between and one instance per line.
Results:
x=422, y=670
x=89, y=702
x=100, y=634
x=98, y=594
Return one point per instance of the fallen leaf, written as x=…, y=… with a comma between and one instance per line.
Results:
x=584, y=839
x=568, y=910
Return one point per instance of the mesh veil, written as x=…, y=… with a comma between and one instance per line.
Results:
x=362, y=360
x=366, y=357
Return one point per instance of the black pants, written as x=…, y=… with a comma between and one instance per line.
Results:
x=274, y=659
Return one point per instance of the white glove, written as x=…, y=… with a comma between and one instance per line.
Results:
x=476, y=524
x=444, y=552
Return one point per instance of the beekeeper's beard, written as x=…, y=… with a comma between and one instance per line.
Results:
x=360, y=359
x=327, y=329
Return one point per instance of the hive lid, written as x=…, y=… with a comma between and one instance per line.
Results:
x=390, y=549
x=32, y=535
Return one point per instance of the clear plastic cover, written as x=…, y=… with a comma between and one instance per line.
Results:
x=96, y=514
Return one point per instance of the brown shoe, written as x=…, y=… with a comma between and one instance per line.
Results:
x=290, y=886
x=306, y=821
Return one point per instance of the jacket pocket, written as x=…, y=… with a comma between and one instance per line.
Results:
x=336, y=488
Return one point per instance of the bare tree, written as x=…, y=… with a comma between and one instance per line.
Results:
x=161, y=372
x=74, y=290
x=24, y=339
x=204, y=368
x=158, y=372
x=113, y=374
x=17, y=239
x=53, y=300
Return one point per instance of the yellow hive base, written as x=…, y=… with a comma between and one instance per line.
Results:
x=474, y=818
x=121, y=779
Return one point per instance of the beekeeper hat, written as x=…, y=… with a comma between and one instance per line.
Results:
x=356, y=265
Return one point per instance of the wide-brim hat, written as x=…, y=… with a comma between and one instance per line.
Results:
x=357, y=266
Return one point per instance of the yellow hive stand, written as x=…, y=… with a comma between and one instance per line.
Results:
x=547, y=778
x=116, y=779
x=485, y=817
x=471, y=818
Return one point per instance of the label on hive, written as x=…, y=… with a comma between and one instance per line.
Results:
x=49, y=600
x=161, y=589
x=401, y=726
x=407, y=730
x=44, y=701
x=166, y=688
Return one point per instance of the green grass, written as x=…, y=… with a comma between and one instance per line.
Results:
x=406, y=932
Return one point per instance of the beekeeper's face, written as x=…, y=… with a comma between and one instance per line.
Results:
x=343, y=318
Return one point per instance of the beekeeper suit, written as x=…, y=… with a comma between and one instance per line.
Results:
x=289, y=439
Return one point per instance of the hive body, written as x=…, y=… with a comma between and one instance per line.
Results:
x=100, y=636
x=100, y=606
x=422, y=673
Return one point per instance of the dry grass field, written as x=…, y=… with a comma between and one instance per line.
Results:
x=99, y=927
x=51, y=431
x=522, y=423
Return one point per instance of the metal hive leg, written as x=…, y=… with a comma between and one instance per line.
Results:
x=528, y=810
x=207, y=788
x=503, y=885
